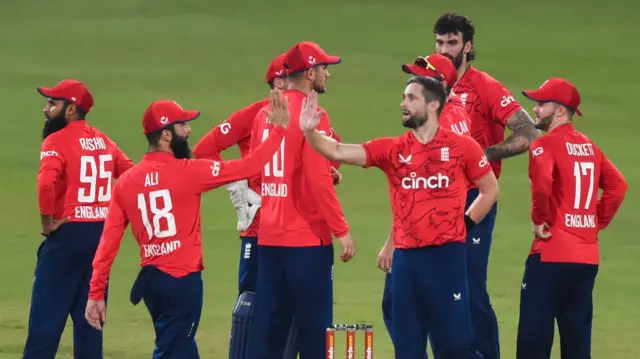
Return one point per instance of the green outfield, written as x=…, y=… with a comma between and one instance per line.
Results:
x=212, y=56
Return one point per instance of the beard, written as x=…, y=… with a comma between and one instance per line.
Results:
x=319, y=89
x=180, y=147
x=53, y=124
x=457, y=61
x=414, y=122
x=544, y=123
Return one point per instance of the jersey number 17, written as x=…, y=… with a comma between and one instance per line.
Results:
x=580, y=170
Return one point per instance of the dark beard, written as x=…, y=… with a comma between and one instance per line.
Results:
x=54, y=124
x=319, y=89
x=457, y=61
x=414, y=122
x=180, y=147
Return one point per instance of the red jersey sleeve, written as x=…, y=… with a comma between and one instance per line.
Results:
x=500, y=103
x=316, y=169
x=614, y=187
x=475, y=164
x=52, y=163
x=110, y=241
x=122, y=162
x=541, y=163
x=206, y=175
x=233, y=130
x=378, y=152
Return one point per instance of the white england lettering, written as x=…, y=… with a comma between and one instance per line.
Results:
x=274, y=189
x=89, y=212
x=431, y=182
x=580, y=220
x=155, y=250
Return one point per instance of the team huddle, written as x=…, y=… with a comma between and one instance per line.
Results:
x=442, y=175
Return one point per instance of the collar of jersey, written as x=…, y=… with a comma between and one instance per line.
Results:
x=159, y=156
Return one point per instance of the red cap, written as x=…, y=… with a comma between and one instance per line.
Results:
x=434, y=65
x=305, y=55
x=556, y=90
x=276, y=68
x=72, y=91
x=163, y=113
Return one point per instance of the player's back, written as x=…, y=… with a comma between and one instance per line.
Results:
x=163, y=209
x=576, y=174
x=284, y=209
x=88, y=163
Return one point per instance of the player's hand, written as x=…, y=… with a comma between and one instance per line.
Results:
x=337, y=176
x=279, y=114
x=310, y=115
x=541, y=230
x=348, y=248
x=96, y=313
x=385, y=257
x=50, y=225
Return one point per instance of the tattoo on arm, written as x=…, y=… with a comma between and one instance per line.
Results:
x=523, y=133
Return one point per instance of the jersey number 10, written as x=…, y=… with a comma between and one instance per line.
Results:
x=90, y=172
x=581, y=169
x=154, y=226
x=275, y=167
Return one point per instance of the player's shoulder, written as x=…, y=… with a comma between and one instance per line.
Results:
x=256, y=106
x=482, y=78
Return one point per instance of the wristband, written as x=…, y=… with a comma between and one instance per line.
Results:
x=469, y=223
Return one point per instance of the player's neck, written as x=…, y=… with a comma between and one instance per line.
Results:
x=300, y=87
x=425, y=133
x=558, y=123
x=160, y=149
x=463, y=70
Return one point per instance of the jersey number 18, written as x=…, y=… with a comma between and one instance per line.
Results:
x=154, y=227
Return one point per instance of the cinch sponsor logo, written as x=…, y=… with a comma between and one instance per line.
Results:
x=431, y=182
x=506, y=101
x=44, y=154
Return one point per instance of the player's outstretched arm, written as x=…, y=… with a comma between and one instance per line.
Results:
x=329, y=148
x=523, y=132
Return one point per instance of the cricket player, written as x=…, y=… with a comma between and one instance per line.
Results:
x=454, y=117
x=77, y=166
x=492, y=108
x=160, y=197
x=428, y=169
x=300, y=215
x=566, y=170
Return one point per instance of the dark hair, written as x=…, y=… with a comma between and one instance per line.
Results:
x=271, y=83
x=454, y=23
x=432, y=89
x=154, y=137
x=80, y=113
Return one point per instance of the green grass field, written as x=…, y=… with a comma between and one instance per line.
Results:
x=212, y=56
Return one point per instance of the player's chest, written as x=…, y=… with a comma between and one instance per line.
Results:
x=426, y=169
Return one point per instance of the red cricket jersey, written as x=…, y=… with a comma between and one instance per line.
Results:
x=300, y=206
x=489, y=105
x=428, y=184
x=455, y=117
x=566, y=170
x=77, y=166
x=236, y=130
x=160, y=197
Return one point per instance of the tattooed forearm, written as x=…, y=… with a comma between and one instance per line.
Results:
x=522, y=133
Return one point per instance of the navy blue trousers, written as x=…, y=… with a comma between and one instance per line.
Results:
x=553, y=292
x=61, y=288
x=483, y=317
x=175, y=306
x=298, y=283
x=430, y=297
x=248, y=265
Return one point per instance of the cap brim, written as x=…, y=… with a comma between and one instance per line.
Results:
x=416, y=70
x=537, y=96
x=333, y=60
x=46, y=92
x=188, y=115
